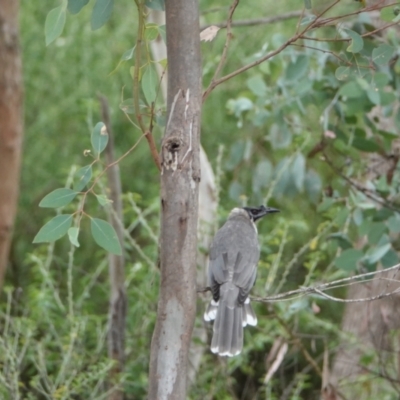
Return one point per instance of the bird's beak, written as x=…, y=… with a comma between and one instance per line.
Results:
x=263, y=211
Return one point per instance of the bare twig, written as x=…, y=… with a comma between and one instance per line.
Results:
x=323, y=51
x=118, y=300
x=319, y=289
x=257, y=21
x=299, y=343
x=367, y=192
x=382, y=28
x=225, y=50
x=277, y=362
x=138, y=54
x=373, y=7
x=316, y=23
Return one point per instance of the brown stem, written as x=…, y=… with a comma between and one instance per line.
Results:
x=138, y=57
x=118, y=299
x=153, y=149
x=299, y=343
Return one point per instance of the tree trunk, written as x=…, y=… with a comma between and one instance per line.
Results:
x=180, y=177
x=10, y=124
x=207, y=207
x=367, y=326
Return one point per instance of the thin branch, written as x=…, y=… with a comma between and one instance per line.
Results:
x=324, y=51
x=138, y=54
x=215, y=82
x=319, y=289
x=299, y=343
x=316, y=23
x=118, y=299
x=114, y=163
x=225, y=50
x=382, y=28
x=373, y=7
x=367, y=192
x=153, y=149
x=256, y=21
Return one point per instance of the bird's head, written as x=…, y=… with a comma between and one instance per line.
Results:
x=255, y=213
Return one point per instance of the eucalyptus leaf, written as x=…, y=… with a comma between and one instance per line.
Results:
x=280, y=135
x=298, y=68
x=127, y=106
x=158, y=5
x=262, y=175
x=390, y=259
x=58, y=198
x=235, y=190
x=298, y=170
x=257, y=85
x=376, y=230
x=357, y=42
x=388, y=14
x=55, y=229
x=374, y=255
x=99, y=138
x=74, y=6
x=349, y=259
x=382, y=54
x=128, y=54
x=82, y=177
x=54, y=24
x=150, y=84
x=342, y=239
x=394, y=223
x=102, y=199
x=101, y=13
x=313, y=185
x=73, y=236
x=365, y=145
x=151, y=32
x=105, y=236
x=163, y=33
x=351, y=90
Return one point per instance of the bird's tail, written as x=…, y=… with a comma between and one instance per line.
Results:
x=230, y=318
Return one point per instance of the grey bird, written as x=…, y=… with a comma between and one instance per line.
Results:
x=232, y=272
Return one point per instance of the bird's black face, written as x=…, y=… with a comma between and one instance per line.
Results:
x=256, y=213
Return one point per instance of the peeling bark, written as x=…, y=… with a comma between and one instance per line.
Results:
x=11, y=125
x=180, y=177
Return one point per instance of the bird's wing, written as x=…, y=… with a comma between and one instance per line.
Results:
x=235, y=248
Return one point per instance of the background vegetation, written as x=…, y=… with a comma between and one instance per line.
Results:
x=295, y=132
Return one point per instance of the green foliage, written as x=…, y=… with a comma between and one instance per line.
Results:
x=102, y=11
x=357, y=42
x=55, y=229
x=150, y=84
x=99, y=138
x=158, y=5
x=82, y=177
x=298, y=134
x=382, y=54
x=54, y=25
x=105, y=236
x=58, y=198
x=103, y=233
x=74, y=6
